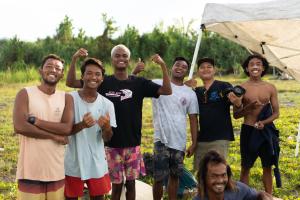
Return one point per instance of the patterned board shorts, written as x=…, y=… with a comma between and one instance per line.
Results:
x=126, y=162
x=167, y=161
x=36, y=190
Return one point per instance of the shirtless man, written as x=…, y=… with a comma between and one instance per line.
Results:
x=258, y=93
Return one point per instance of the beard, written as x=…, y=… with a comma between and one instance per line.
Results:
x=51, y=83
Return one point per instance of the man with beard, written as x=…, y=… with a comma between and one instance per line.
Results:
x=127, y=93
x=215, y=182
x=258, y=94
x=85, y=160
x=169, y=121
x=43, y=117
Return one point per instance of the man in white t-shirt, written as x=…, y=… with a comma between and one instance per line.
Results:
x=85, y=160
x=169, y=121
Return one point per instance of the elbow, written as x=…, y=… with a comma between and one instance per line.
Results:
x=68, y=131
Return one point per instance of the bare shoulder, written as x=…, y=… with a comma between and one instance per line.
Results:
x=270, y=86
x=69, y=98
x=22, y=94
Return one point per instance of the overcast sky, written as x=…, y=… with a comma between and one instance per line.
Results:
x=32, y=19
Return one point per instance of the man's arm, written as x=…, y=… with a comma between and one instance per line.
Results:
x=104, y=123
x=165, y=89
x=71, y=76
x=87, y=122
x=194, y=131
x=65, y=126
x=23, y=127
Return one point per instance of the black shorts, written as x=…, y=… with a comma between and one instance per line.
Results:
x=167, y=161
x=248, y=156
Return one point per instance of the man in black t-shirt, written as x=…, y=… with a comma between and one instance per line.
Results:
x=127, y=93
x=214, y=112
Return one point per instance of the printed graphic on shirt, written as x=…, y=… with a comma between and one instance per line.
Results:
x=123, y=94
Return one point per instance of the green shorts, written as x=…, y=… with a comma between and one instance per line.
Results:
x=220, y=146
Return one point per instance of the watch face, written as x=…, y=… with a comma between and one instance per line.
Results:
x=31, y=119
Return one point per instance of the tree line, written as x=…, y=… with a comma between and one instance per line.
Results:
x=175, y=40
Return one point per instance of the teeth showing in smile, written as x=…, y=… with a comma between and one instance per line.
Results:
x=51, y=76
x=255, y=71
x=219, y=186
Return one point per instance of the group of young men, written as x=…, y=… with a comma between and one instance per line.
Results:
x=108, y=109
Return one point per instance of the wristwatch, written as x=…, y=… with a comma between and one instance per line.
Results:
x=31, y=119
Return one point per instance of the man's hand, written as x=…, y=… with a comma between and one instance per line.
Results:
x=80, y=53
x=158, y=60
x=61, y=139
x=191, y=150
x=88, y=120
x=235, y=100
x=104, y=121
x=191, y=83
x=259, y=125
x=139, y=67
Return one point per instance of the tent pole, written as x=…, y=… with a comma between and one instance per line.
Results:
x=196, y=52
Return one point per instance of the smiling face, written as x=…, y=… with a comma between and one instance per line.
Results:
x=92, y=77
x=255, y=67
x=216, y=179
x=179, y=69
x=52, y=71
x=206, y=71
x=120, y=58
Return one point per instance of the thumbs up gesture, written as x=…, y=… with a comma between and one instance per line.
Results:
x=140, y=66
x=104, y=121
x=88, y=120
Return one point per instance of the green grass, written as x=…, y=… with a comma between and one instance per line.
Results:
x=289, y=96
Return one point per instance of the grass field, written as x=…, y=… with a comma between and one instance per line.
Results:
x=289, y=96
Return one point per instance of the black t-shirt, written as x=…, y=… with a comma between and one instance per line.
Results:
x=214, y=113
x=127, y=97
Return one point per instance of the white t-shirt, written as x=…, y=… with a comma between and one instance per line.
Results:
x=85, y=156
x=170, y=113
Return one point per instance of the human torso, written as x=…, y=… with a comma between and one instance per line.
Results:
x=169, y=115
x=85, y=156
x=260, y=92
x=42, y=159
x=127, y=97
x=214, y=113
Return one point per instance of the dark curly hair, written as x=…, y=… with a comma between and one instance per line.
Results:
x=260, y=57
x=215, y=158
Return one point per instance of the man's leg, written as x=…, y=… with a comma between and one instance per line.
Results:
x=116, y=191
x=97, y=198
x=173, y=187
x=160, y=168
x=115, y=159
x=244, y=177
x=176, y=169
x=157, y=190
x=130, y=190
x=267, y=179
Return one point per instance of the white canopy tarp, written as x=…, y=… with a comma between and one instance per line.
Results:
x=270, y=28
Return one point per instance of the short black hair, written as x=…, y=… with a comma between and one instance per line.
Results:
x=52, y=56
x=93, y=61
x=260, y=57
x=180, y=58
x=205, y=59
